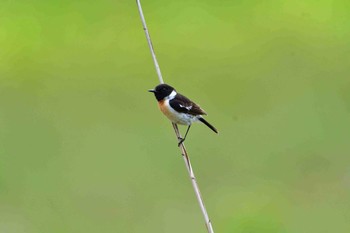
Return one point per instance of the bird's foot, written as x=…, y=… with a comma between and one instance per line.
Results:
x=181, y=140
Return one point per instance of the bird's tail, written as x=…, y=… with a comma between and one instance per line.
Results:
x=207, y=124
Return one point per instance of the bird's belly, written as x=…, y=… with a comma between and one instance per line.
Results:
x=175, y=117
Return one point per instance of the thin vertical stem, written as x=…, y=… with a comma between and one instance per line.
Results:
x=148, y=37
x=177, y=132
x=194, y=181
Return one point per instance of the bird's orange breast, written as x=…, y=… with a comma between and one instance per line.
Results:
x=165, y=108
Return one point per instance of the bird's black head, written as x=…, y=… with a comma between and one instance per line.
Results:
x=161, y=91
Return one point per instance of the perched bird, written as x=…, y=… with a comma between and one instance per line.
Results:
x=178, y=108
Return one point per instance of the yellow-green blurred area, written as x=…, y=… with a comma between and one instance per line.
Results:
x=84, y=148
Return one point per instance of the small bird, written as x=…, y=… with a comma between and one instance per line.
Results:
x=178, y=108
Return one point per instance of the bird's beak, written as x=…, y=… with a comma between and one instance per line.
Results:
x=152, y=90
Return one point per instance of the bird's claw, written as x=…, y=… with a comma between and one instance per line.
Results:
x=181, y=141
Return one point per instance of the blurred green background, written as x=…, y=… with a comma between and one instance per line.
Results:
x=84, y=148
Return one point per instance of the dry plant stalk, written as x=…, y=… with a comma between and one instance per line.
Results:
x=177, y=132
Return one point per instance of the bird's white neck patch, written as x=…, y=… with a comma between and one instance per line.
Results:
x=172, y=95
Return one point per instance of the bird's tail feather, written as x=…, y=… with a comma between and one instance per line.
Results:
x=207, y=124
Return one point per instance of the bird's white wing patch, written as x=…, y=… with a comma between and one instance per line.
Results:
x=187, y=107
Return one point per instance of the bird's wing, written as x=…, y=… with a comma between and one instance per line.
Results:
x=184, y=105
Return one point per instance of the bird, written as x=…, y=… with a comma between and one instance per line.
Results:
x=178, y=108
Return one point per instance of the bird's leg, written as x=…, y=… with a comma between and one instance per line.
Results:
x=183, y=139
